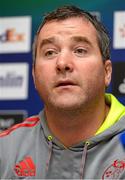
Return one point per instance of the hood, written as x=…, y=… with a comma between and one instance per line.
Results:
x=117, y=110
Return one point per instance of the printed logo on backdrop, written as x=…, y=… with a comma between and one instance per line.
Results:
x=14, y=81
x=15, y=34
x=119, y=30
x=8, y=118
x=118, y=78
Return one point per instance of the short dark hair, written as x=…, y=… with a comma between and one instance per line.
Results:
x=66, y=12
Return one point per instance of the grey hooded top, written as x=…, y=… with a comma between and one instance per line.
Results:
x=30, y=151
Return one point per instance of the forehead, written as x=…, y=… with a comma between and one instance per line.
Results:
x=68, y=28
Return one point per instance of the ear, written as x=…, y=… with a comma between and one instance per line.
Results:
x=108, y=72
x=33, y=74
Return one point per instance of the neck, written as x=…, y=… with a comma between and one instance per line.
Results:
x=71, y=127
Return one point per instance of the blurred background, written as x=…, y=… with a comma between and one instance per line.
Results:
x=19, y=20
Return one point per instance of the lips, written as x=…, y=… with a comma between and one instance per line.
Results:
x=64, y=83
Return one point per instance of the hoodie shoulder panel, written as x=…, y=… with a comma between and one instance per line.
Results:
x=29, y=122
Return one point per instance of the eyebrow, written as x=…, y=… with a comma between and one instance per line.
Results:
x=53, y=40
x=44, y=42
x=81, y=39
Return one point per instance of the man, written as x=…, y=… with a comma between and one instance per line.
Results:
x=76, y=136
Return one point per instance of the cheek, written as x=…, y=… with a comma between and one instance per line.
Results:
x=41, y=85
x=41, y=71
x=43, y=77
x=93, y=73
x=93, y=67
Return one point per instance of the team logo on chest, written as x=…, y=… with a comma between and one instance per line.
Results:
x=114, y=170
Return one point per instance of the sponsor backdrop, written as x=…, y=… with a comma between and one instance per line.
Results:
x=19, y=21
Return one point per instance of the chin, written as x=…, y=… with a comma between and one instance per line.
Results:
x=67, y=105
x=67, y=102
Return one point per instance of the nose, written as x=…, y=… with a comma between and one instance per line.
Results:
x=64, y=63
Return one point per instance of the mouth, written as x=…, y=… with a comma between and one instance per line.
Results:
x=65, y=83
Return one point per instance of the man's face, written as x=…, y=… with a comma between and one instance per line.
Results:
x=69, y=71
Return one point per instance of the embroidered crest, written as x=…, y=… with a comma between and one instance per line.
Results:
x=114, y=170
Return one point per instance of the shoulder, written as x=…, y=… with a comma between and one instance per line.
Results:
x=26, y=124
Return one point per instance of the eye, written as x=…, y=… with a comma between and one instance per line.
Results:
x=80, y=51
x=50, y=54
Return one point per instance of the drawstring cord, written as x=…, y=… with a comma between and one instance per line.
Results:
x=84, y=155
x=50, y=152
